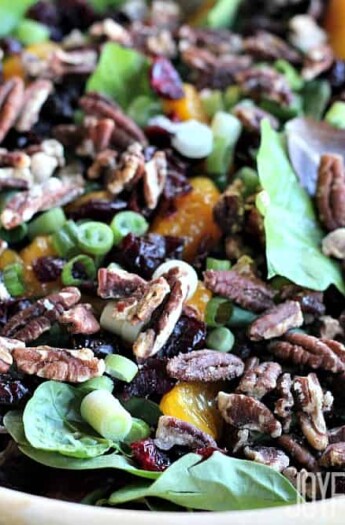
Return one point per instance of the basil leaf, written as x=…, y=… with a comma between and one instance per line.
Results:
x=122, y=74
x=11, y=12
x=143, y=409
x=219, y=483
x=52, y=421
x=293, y=234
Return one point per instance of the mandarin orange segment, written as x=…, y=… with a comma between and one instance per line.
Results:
x=8, y=257
x=335, y=25
x=41, y=246
x=13, y=67
x=200, y=299
x=195, y=403
x=187, y=108
x=193, y=218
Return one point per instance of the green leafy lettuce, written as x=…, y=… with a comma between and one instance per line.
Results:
x=293, y=234
x=11, y=12
x=122, y=74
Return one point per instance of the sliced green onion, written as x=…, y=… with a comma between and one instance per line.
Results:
x=98, y=383
x=221, y=339
x=95, y=237
x=316, y=96
x=120, y=367
x=241, y=318
x=31, y=32
x=223, y=14
x=139, y=430
x=13, y=279
x=217, y=264
x=335, y=116
x=49, y=222
x=15, y=235
x=250, y=179
x=232, y=96
x=106, y=415
x=212, y=101
x=291, y=74
x=87, y=265
x=65, y=241
x=284, y=112
x=226, y=131
x=218, y=312
x=128, y=222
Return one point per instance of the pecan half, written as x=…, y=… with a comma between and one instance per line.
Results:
x=117, y=283
x=34, y=97
x=11, y=100
x=311, y=302
x=81, y=319
x=309, y=400
x=30, y=323
x=205, y=366
x=252, y=116
x=7, y=345
x=59, y=364
x=306, y=350
x=270, y=456
x=284, y=404
x=298, y=452
x=336, y=435
x=175, y=432
x=330, y=194
x=266, y=83
x=244, y=289
x=266, y=46
x=259, y=380
x=276, y=321
x=334, y=456
x=229, y=210
x=318, y=60
x=333, y=245
x=244, y=412
x=51, y=193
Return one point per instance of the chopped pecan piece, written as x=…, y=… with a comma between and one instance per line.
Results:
x=330, y=195
x=175, y=432
x=334, y=456
x=306, y=350
x=229, y=210
x=103, y=162
x=81, y=319
x=252, y=116
x=244, y=289
x=333, y=245
x=330, y=328
x=111, y=30
x=100, y=106
x=11, y=100
x=30, y=323
x=266, y=83
x=276, y=321
x=75, y=62
x=205, y=366
x=311, y=302
x=244, y=412
x=34, y=97
x=117, y=283
x=266, y=46
x=309, y=400
x=58, y=364
x=51, y=193
x=259, y=380
x=270, y=456
x=317, y=61
x=131, y=168
x=7, y=345
x=154, y=178
x=298, y=452
x=284, y=404
x=337, y=435
x=218, y=41
x=97, y=136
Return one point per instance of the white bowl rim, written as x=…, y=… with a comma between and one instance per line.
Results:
x=19, y=508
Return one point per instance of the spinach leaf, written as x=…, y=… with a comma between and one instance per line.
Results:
x=217, y=484
x=293, y=235
x=143, y=409
x=11, y=12
x=223, y=14
x=52, y=421
x=102, y=5
x=316, y=96
x=121, y=73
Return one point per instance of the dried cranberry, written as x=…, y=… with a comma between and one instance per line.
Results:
x=158, y=136
x=143, y=255
x=206, y=452
x=165, y=80
x=99, y=210
x=101, y=344
x=48, y=269
x=152, y=379
x=149, y=457
x=75, y=14
x=11, y=390
x=189, y=334
x=61, y=105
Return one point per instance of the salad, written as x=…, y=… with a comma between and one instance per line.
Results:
x=172, y=250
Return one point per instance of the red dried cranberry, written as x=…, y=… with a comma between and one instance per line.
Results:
x=149, y=456
x=48, y=269
x=11, y=390
x=189, y=334
x=98, y=210
x=165, y=80
x=206, y=452
x=151, y=380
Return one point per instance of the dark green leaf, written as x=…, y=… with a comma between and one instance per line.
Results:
x=143, y=409
x=11, y=12
x=103, y=5
x=316, y=96
x=223, y=14
x=217, y=484
x=293, y=235
x=122, y=74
